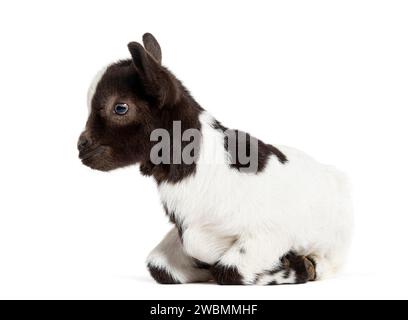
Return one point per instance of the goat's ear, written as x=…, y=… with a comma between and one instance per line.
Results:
x=156, y=80
x=142, y=61
x=152, y=46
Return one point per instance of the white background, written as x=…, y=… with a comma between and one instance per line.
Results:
x=327, y=77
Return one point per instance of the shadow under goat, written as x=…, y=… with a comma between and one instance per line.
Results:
x=244, y=211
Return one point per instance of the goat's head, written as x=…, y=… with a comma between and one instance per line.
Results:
x=126, y=103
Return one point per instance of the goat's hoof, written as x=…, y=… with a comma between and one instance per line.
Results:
x=161, y=275
x=225, y=275
x=310, y=269
x=304, y=267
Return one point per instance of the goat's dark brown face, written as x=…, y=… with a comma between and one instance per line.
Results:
x=115, y=132
x=124, y=108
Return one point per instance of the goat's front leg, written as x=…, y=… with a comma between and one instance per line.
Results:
x=169, y=264
x=262, y=259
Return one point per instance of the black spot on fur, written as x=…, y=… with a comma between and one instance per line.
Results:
x=226, y=275
x=232, y=143
x=276, y=270
x=286, y=274
x=242, y=250
x=161, y=275
x=201, y=265
x=174, y=220
x=218, y=126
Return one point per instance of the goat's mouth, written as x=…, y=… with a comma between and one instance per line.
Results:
x=98, y=158
x=91, y=152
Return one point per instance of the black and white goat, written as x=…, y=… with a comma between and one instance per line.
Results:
x=287, y=219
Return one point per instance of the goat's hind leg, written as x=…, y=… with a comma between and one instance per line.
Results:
x=293, y=269
x=169, y=264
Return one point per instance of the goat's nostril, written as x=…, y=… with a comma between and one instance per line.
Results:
x=83, y=142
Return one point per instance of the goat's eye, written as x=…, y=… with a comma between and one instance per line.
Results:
x=121, y=109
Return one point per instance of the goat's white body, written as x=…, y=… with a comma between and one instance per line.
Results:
x=250, y=220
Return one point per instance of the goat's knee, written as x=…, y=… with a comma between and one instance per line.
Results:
x=162, y=274
x=169, y=264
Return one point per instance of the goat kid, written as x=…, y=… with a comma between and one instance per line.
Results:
x=282, y=218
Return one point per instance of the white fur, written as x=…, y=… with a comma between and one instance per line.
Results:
x=301, y=205
x=92, y=88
